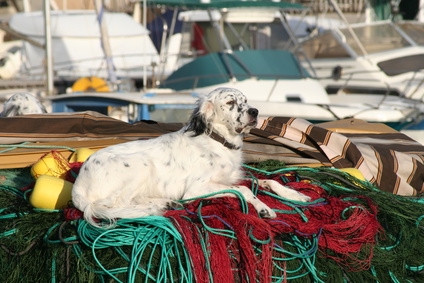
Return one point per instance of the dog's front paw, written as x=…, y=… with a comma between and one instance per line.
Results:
x=283, y=191
x=299, y=197
x=267, y=213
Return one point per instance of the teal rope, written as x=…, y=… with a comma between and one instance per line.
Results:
x=222, y=232
x=244, y=205
x=146, y=236
x=203, y=241
x=53, y=268
x=306, y=256
x=254, y=182
x=12, y=190
x=10, y=147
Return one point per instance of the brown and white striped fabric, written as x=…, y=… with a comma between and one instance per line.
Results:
x=392, y=161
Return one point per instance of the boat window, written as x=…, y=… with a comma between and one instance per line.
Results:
x=375, y=38
x=240, y=36
x=324, y=45
x=243, y=36
x=415, y=30
x=204, y=35
x=402, y=65
x=198, y=39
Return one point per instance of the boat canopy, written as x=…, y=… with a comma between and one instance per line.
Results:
x=76, y=44
x=76, y=23
x=221, y=67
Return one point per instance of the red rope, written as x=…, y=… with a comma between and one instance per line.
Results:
x=71, y=213
x=60, y=164
x=345, y=228
x=232, y=245
x=232, y=256
x=73, y=171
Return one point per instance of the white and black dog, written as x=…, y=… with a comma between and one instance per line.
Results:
x=22, y=103
x=145, y=177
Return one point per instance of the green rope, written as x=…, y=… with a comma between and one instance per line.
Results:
x=10, y=147
x=153, y=239
x=238, y=194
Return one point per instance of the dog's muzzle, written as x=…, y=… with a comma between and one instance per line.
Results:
x=253, y=112
x=253, y=120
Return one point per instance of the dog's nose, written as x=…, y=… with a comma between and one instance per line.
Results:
x=253, y=112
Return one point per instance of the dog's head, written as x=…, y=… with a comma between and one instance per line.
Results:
x=22, y=103
x=224, y=110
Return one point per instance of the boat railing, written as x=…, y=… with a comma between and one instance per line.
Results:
x=353, y=82
x=412, y=85
x=416, y=83
x=71, y=64
x=345, y=79
x=196, y=79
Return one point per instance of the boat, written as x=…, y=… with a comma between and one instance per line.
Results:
x=249, y=54
x=81, y=73
x=159, y=105
x=385, y=61
x=76, y=46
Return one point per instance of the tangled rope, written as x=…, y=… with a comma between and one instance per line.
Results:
x=151, y=239
x=349, y=232
x=236, y=240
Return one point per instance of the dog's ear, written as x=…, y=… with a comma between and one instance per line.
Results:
x=206, y=109
x=10, y=111
x=201, y=117
x=197, y=123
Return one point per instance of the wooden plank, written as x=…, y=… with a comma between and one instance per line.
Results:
x=25, y=155
x=353, y=126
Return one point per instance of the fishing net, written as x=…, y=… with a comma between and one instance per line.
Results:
x=349, y=232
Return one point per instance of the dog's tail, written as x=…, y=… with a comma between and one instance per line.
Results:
x=102, y=216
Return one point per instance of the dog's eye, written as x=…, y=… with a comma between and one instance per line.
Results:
x=231, y=102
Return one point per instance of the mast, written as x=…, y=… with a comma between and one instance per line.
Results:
x=144, y=44
x=104, y=35
x=48, y=48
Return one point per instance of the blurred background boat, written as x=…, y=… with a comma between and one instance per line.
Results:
x=247, y=47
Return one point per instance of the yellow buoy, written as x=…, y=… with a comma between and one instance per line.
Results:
x=354, y=172
x=51, y=193
x=90, y=84
x=53, y=164
x=80, y=155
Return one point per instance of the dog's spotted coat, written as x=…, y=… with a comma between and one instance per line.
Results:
x=144, y=177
